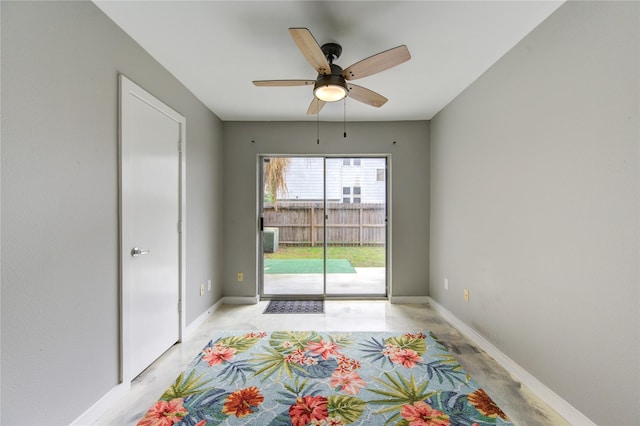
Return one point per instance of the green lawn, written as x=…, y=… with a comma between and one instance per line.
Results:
x=360, y=257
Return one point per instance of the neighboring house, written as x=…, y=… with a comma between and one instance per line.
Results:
x=349, y=180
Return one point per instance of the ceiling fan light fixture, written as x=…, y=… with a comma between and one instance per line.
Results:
x=330, y=88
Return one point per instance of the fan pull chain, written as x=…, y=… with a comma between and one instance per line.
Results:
x=344, y=121
x=318, y=126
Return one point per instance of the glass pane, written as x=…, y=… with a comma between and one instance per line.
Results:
x=356, y=227
x=293, y=236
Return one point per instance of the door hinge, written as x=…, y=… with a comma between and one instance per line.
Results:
x=180, y=227
x=180, y=145
x=179, y=307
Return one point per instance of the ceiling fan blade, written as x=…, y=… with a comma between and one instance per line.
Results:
x=377, y=63
x=310, y=49
x=366, y=96
x=315, y=106
x=280, y=83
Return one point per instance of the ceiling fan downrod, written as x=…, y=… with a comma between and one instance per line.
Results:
x=332, y=51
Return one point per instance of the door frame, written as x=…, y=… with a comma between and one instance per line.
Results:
x=387, y=234
x=129, y=88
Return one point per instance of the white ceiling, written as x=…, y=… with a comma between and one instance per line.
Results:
x=216, y=48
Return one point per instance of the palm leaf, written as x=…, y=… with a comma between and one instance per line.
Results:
x=403, y=342
x=239, y=343
x=447, y=369
x=270, y=363
x=342, y=340
x=205, y=406
x=373, y=349
x=400, y=391
x=234, y=370
x=296, y=390
x=182, y=388
x=349, y=408
x=298, y=339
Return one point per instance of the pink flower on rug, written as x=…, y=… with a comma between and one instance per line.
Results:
x=349, y=382
x=218, y=354
x=164, y=413
x=307, y=409
x=296, y=357
x=346, y=364
x=415, y=336
x=407, y=357
x=422, y=414
x=390, y=350
x=335, y=421
x=322, y=348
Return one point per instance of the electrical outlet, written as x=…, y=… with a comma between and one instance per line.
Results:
x=202, y=290
x=466, y=295
x=446, y=283
x=240, y=276
x=209, y=285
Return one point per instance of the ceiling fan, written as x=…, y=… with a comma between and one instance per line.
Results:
x=331, y=84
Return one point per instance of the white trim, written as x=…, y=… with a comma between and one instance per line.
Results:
x=240, y=300
x=193, y=326
x=408, y=299
x=566, y=410
x=101, y=406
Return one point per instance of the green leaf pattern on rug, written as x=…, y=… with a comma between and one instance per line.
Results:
x=304, y=378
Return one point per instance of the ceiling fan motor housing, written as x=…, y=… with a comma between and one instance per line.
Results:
x=335, y=80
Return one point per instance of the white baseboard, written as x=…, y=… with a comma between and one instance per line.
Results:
x=102, y=405
x=408, y=299
x=566, y=410
x=241, y=300
x=202, y=318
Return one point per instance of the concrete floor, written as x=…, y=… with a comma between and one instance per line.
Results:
x=516, y=400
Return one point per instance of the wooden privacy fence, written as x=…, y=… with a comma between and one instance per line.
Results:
x=347, y=224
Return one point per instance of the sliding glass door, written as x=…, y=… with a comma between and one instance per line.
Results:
x=356, y=226
x=292, y=226
x=323, y=222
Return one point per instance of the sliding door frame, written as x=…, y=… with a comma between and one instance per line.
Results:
x=387, y=230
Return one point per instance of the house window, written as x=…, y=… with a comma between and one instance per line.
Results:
x=356, y=200
x=346, y=190
x=346, y=162
x=380, y=175
x=356, y=161
x=356, y=190
x=346, y=200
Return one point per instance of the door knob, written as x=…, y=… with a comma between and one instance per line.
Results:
x=135, y=252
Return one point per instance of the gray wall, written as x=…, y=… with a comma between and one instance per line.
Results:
x=535, y=207
x=409, y=191
x=60, y=65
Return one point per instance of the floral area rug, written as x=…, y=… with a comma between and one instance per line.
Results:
x=324, y=378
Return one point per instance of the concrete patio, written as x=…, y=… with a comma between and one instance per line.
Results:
x=365, y=282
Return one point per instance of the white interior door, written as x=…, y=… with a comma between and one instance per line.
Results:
x=151, y=134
